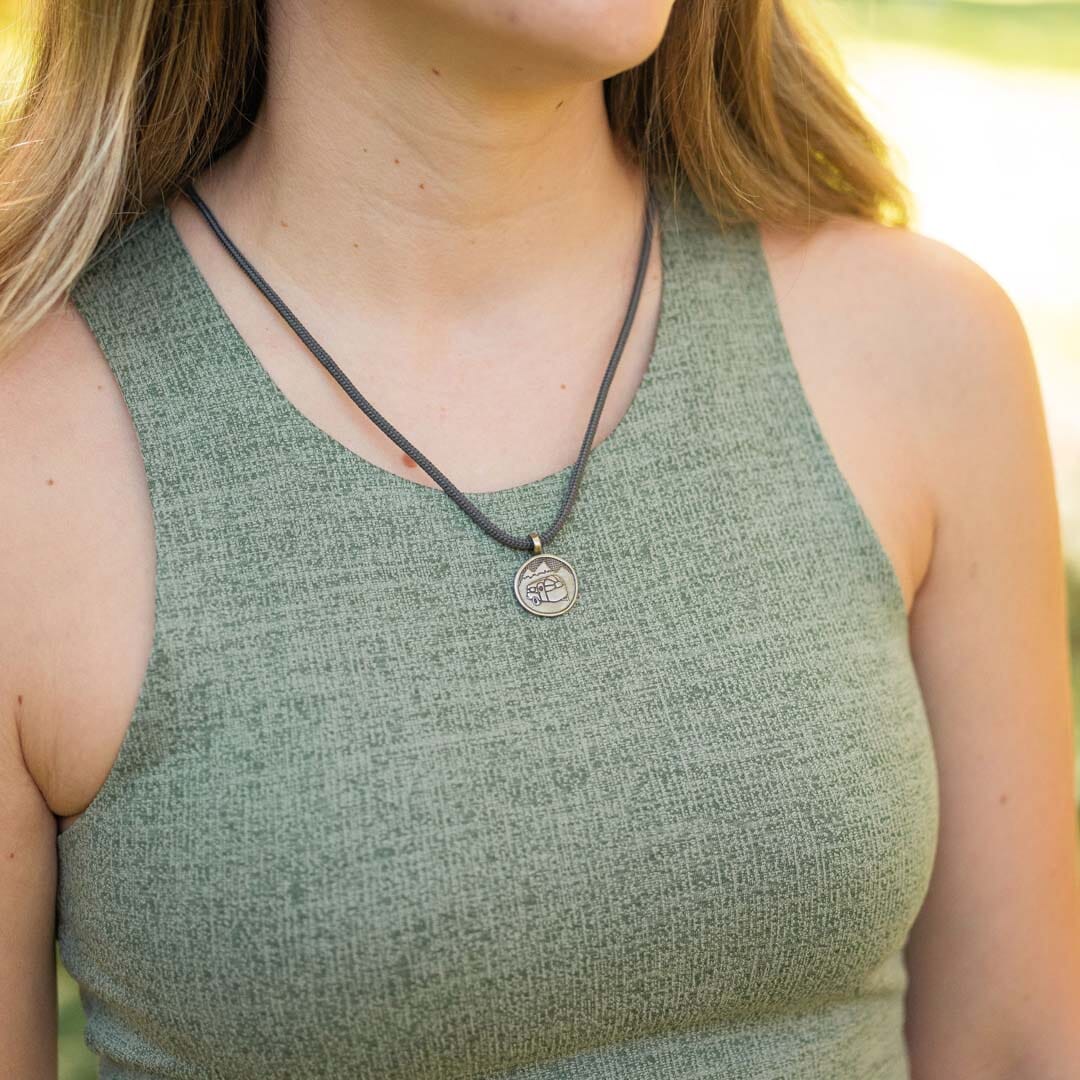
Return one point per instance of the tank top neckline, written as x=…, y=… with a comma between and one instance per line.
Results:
x=203, y=297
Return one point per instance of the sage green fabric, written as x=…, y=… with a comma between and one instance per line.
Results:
x=374, y=819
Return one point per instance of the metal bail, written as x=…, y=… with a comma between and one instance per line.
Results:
x=538, y=547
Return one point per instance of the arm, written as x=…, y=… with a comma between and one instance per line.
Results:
x=27, y=896
x=994, y=957
x=27, y=826
x=76, y=619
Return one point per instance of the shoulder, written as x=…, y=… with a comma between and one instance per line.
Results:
x=51, y=389
x=72, y=484
x=932, y=323
x=932, y=340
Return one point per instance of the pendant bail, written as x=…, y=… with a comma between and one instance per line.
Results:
x=538, y=547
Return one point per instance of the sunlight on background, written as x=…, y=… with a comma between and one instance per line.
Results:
x=981, y=102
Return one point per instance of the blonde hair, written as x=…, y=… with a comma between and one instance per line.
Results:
x=121, y=102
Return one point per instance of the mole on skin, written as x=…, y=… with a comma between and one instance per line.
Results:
x=408, y=460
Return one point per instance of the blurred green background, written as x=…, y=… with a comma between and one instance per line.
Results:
x=982, y=103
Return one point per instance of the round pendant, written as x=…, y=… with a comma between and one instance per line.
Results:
x=546, y=585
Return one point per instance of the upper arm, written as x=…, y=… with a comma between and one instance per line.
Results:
x=994, y=956
x=27, y=897
x=76, y=616
x=27, y=826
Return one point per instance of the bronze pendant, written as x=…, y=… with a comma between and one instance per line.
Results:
x=545, y=584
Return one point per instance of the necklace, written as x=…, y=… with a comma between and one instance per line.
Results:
x=544, y=584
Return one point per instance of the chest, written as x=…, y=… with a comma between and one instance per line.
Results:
x=459, y=837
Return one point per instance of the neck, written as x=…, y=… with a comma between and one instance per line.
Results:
x=389, y=169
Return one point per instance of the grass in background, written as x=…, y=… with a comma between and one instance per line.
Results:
x=76, y=1061
x=1036, y=35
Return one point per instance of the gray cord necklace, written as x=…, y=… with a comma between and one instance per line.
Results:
x=544, y=584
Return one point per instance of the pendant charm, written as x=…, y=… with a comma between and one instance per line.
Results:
x=545, y=584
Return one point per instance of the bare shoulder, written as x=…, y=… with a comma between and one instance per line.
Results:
x=916, y=315
x=74, y=540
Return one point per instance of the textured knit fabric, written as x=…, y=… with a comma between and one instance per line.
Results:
x=374, y=819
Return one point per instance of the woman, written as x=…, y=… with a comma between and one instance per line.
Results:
x=782, y=788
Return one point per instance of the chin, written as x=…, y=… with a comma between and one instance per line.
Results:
x=578, y=40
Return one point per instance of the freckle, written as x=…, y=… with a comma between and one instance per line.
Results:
x=562, y=386
x=559, y=106
x=356, y=244
x=408, y=461
x=11, y=854
x=396, y=162
x=1003, y=799
x=436, y=70
x=20, y=699
x=284, y=224
x=421, y=185
x=51, y=481
x=99, y=386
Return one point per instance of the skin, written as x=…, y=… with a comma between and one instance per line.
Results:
x=485, y=206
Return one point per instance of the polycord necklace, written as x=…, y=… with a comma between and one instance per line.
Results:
x=544, y=584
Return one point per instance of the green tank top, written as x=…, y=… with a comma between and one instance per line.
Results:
x=372, y=819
